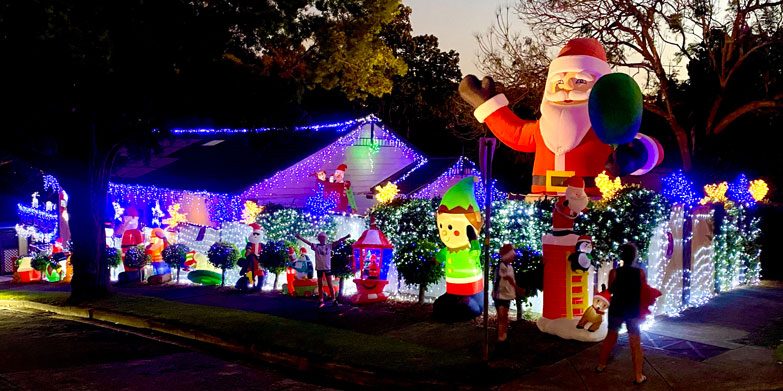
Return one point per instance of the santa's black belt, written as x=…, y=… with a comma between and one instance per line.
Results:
x=540, y=180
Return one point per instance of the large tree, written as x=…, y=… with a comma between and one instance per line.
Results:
x=348, y=52
x=650, y=36
x=422, y=102
x=87, y=79
x=735, y=105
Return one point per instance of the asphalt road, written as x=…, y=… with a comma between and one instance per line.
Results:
x=45, y=352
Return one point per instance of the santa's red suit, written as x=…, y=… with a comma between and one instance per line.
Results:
x=254, y=248
x=253, y=251
x=338, y=189
x=586, y=160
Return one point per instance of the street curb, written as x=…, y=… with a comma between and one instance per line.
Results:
x=333, y=370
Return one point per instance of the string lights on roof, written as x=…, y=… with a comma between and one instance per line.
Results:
x=338, y=126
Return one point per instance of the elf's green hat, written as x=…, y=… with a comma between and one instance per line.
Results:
x=460, y=198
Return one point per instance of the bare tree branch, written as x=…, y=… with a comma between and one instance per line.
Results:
x=745, y=109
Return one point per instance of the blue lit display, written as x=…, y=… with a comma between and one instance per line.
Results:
x=739, y=191
x=678, y=189
x=43, y=221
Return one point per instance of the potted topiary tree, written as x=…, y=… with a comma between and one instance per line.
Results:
x=223, y=255
x=274, y=258
x=175, y=256
x=417, y=265
x=342, y=263
x=112, y=258
x=136, y=258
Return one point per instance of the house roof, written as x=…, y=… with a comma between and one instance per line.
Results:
x=370, y=152
x=213, y=171
x=228, y=160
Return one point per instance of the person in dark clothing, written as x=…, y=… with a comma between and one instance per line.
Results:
x=625, y=284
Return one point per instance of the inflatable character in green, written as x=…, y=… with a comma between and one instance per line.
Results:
x=459, y=221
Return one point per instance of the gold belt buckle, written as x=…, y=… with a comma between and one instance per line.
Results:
x=559, y=177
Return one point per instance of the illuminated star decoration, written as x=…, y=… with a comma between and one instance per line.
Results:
x=715, y=193
x=157, y=213
x=176, y=216
x=739, y=191
x=118, y=211
x=607, y=186
x=386, y=193
x=758, y=189
x=250, y=212
x=678, y=189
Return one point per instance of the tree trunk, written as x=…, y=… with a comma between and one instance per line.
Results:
x=679, y=132
x=223, y=278
x=274, y=287
x=682, y=144
x=519, y=308
x=87, y=188
x=422, y=289
x=340, y=290
x=177, y=274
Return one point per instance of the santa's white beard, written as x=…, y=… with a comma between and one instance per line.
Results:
x=577, y=199
x=563, y=126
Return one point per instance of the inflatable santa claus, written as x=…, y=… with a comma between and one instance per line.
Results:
x=569, y=206
x=589, y=121
x=341, y=190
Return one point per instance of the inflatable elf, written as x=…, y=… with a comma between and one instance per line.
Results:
x=459, y=221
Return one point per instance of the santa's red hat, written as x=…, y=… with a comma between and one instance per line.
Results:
x=302, y=250
x=581, y=55
x=256, y=227
x=505, y=249
x=584, y=238
x=131, y=211
x=603, y=295
x=575, y=181
x=342, y=167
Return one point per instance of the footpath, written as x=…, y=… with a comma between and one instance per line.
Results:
x=727, y=344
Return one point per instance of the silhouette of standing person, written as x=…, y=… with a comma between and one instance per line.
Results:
x=625, y=284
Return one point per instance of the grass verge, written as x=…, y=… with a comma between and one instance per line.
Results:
x=272, y=333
